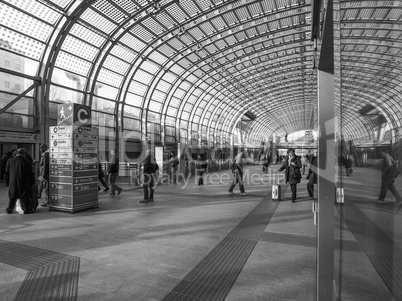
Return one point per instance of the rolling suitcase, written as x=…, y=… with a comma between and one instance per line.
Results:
x=276, y=192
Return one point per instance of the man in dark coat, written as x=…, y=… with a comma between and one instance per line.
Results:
x=292, y=165
x=148, y=171
x=312, y=175
x=21, y=179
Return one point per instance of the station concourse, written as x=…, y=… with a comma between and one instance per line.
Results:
x=198, y=243
x=101, y=83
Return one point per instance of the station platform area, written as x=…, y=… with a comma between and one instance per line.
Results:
x=202, y=243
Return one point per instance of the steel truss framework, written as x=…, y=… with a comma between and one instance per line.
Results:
x=191, y=69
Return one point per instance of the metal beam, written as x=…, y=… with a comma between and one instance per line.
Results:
x=34, y=85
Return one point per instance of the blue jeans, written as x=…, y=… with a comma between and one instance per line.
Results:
x=148, y=186
x=112, y=178
x=388, y=183
x=238, y=178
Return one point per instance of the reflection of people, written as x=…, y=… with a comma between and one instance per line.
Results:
x=173, y=162
x=149, y=178
x=387, y=180
x=238, y=174
x=312, y=175
x=348, y=165
x=21, y=179
x=44, y=174
x=113, y=171
x=305, y=161
x=292, y=167
x=265, y=163
x=201, y=167
x=101, y=176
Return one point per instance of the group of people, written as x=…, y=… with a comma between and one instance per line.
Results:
x=17, y=170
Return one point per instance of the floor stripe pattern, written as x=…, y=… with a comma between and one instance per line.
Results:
x=385, y=256
x=51, y=275
x=215, y=275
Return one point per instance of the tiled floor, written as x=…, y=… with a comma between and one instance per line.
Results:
x=198, y=243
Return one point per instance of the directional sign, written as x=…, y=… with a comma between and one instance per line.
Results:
x=61, y=143
x=60, y=149
x=85, y=130
x=60, y=188
x=84, y=180
x=60, y=135
x=92, y=150
x=86, y=173
x=61, y=172
x=85, y=137
x=82, y=187
x=79, y=166
x=73, y=147
x=61, y=161
x=60, y=167
x=85, y=143
x=60, y=129
x=61, y=155
x=86, y=156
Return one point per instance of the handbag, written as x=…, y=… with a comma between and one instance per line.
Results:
x=297, y=175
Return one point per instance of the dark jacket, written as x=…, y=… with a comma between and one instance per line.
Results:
x=3, y=161
x=311, y=173
x=21, y=177
x=113, y=164
x=290, y=170
x=149, y=165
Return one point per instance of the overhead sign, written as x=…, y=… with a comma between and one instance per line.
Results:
x=18, y=137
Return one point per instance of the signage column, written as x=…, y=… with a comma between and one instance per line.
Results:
x=73, y=160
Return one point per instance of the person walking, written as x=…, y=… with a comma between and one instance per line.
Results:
x=200, y=168
x=101, y=178
x=388, y=179
x=237, y=170
x=173, y=166
x=305, y=160
x=3, y=164
x=312, y=175
x=265, y=163
x=348, y=165
x=21, y=179
x=44, y=165
x=149, y=169
x=113, y=171
x=292, y=167
x=7, y=176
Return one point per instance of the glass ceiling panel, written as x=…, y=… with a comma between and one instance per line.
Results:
x=72, y=63
x=87, y=35
x=24, y=24
x=98, y=21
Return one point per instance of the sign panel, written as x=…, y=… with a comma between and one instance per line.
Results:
x=18, y=137
x=73, y=159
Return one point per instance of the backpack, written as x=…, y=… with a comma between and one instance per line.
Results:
x=154, y=167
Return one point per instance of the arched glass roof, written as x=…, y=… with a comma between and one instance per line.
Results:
x=196, y=69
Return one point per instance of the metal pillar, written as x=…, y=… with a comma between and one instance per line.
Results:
x=326, y=162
